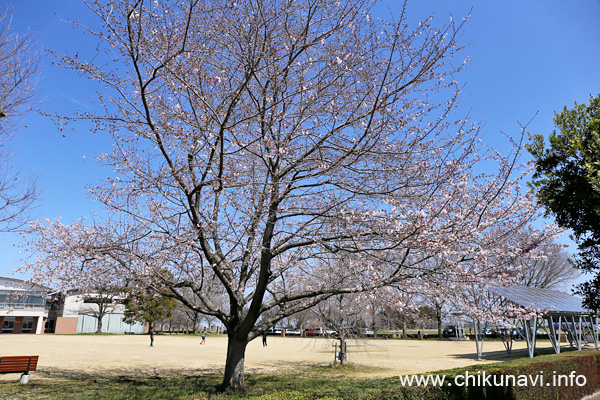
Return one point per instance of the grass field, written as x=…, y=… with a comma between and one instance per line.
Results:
x=178, y=367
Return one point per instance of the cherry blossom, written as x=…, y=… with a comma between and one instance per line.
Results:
x=281, y=153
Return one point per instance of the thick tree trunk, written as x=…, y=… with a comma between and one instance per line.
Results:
x=343, y=354
x=234, y=365
x=99, y=326
x=438, y=313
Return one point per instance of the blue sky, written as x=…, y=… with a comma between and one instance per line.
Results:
x=527, y=57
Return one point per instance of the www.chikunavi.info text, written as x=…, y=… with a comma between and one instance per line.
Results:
x=483, y=378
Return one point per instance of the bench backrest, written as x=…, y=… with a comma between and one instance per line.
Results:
x=18, y=363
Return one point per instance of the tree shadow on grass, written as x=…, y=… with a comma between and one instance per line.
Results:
x=163, y=381
x=67, y=384
x=124, y=373
x=502, y=355
x=313, y=380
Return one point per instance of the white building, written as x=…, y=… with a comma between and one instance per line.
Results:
x=22, y=306
x=74, y=313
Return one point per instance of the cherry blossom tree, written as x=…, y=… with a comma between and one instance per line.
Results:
x=405, y=305
x=437, y=302
x=19, y=68
x=100, y=301
x=555, y=268
x=435, y=295
x=477, y=300
x=340, y=314
x=259, y=143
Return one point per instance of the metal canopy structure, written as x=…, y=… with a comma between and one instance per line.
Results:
x=552, y=301
x=561, y=313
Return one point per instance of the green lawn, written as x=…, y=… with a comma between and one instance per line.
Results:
x=319, y=383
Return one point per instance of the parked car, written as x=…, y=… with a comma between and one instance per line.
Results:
x=274, y=331
x=488, y=331
x=351, y=331
x=368, y=332
x=313, y=331
x=449, y=330
x=507, y=331
x=521, y=332
x=293, y=332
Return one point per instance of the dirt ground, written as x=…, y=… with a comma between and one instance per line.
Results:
x=131, y=355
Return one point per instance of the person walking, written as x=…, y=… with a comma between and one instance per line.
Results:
x=151, y=332
x=203, y=337
x=265, y=339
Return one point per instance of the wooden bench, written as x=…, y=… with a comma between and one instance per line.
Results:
x=16, y=364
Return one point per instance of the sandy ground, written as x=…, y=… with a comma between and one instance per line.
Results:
x=131, y=355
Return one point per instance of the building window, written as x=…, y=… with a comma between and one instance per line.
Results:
x=22, y=299
x=9, y=325
x=27, y=325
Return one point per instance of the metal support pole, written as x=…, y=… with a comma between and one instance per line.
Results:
x=594, y=321
x=534, y=337
x=559, y=330
x=527, y=330
x=577, y=331
x=568, y=328
x=555, y=341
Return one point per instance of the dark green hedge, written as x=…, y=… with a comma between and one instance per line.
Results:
x=585, y=364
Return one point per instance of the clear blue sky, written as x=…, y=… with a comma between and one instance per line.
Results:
x=527, y=57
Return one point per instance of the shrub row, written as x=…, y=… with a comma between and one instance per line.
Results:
x=554, y=377
x=568, y=376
